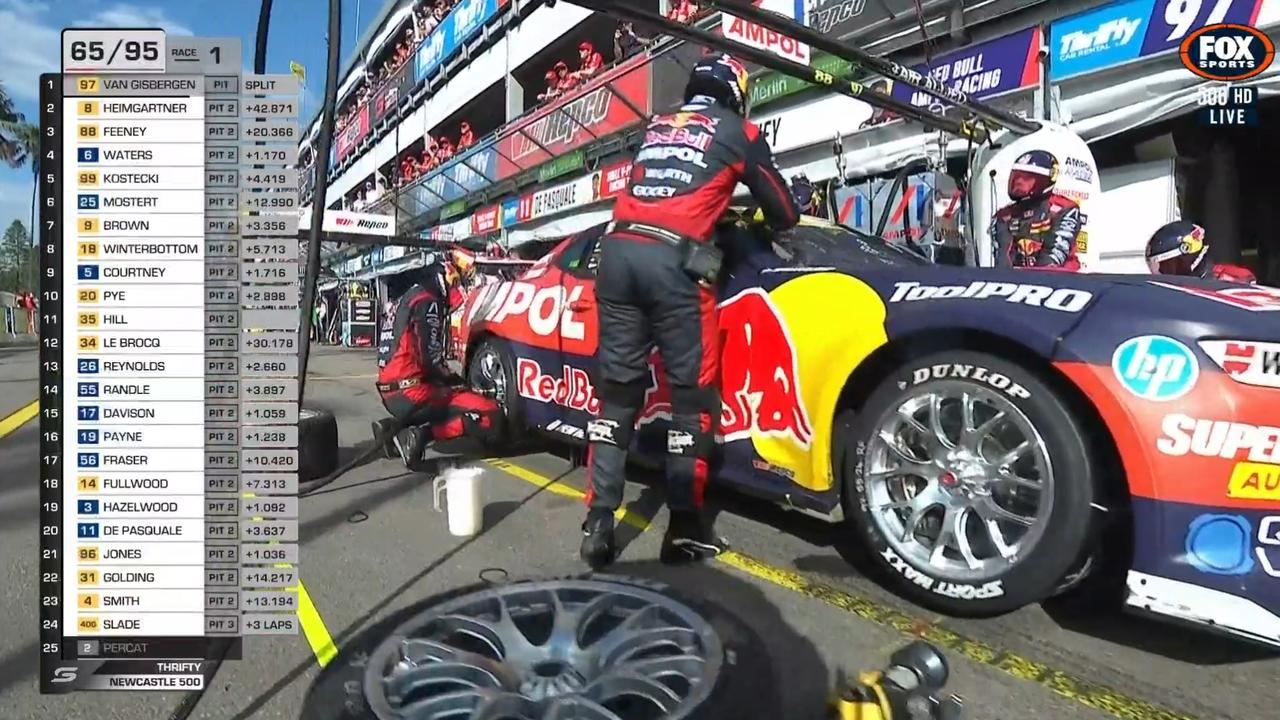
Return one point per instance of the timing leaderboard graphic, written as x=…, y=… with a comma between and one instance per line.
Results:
x=169, y=279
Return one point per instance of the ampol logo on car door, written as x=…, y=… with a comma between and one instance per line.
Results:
x=758, y=36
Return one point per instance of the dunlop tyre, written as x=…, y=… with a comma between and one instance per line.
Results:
x=1068, y=529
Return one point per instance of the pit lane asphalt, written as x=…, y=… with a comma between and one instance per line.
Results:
x=373, y=545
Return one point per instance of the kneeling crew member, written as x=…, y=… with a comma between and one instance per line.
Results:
x=414, y=381
x=656, y=285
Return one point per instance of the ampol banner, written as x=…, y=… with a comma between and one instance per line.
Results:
x=984, y=70
x=758, y=36
x=351, y=135
x=602, y=108
x=1122, y=32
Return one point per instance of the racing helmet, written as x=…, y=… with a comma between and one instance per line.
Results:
x=723, y=78
x=805, y=194
x=435, y=276
x=462, y=262
x=1034, y=173
x=1179, y=248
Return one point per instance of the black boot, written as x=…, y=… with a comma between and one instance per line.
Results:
x=410, y=442
x=598, y=549
x=690, y=538
x=380, y=428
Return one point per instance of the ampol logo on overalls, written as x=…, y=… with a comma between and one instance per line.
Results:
x=1155, y=367
x=758, y=36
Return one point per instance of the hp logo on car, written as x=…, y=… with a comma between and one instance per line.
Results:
x=1155, y=367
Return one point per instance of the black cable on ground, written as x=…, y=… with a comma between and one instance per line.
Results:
x=378, y=443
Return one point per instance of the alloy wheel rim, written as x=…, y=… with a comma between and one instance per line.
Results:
x=489, y=376
x=958, y=481
x=551, y=650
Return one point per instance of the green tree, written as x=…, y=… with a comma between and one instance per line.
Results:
x=17, y=258
x=19, y=143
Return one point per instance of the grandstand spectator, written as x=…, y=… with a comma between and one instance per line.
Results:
x=590, y=62
x=438, y=12
x=625, y=41
x=553, y=87
x=565, y=80
x=683, y=11
x=408, y=170
x=466, y=138
x=444, y=150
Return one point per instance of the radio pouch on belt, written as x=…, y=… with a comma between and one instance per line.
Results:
x=699, y=260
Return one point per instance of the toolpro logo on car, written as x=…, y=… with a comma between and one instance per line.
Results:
x=1155, y=367
x=1227, y=52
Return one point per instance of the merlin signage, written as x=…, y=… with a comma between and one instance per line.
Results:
x=1123, y=32
x=617, y=100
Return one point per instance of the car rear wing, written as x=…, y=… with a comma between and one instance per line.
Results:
x=983, y=118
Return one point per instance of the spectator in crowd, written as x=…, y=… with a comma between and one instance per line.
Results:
x=408, y=170
x=625, y=41
x=683, y=11
x=445, y=149
x=590, y=62
x=553, y=87
x=565, y=80
x=466, y=138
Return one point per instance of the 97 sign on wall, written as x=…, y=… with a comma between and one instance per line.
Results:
x=1131, y=30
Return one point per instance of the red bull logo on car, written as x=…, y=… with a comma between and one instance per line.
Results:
x=759, y=377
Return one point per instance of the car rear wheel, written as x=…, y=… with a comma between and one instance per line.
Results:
x=970, y=482
x=492, y=371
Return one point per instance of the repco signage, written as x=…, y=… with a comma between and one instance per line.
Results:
x=823, y=16
x=561, y=127
x=345, y=223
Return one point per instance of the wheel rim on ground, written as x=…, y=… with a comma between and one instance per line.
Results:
x=958, y=481
x=488, y=375
x=551, y=650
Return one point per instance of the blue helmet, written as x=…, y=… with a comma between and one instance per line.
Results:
x=723, y=78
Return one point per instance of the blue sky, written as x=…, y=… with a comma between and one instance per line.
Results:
x=29, y=45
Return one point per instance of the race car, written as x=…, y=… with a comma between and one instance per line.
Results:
x=990, y=437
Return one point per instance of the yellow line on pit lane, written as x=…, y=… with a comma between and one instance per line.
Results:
x=19, y=418
x=1072, y=687
x=314, y=629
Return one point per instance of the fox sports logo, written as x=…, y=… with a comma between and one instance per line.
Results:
x=1227, y=52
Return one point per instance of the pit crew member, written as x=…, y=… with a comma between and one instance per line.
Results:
x=1039, y=228
x=656, y=286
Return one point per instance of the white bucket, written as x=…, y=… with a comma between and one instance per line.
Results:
x=461, y=487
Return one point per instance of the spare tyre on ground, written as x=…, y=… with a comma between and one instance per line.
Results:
x=317, y=443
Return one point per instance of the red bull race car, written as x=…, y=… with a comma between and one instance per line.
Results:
x=991, y=438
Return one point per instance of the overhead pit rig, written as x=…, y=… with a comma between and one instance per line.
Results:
x=994, y=137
